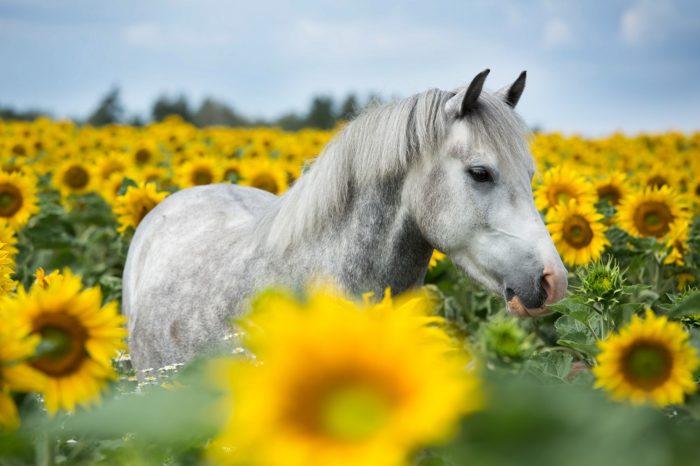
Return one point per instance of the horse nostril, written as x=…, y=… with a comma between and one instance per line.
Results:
x=545, y=281
x=509, y=294
x=549, y=284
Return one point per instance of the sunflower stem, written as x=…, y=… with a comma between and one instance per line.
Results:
x=45, y=451
x=590, y=329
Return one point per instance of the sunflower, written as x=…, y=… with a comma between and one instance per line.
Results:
x=144, y=153
x=198, y=171
x=20, y=148
x=685, y=280
x=7, y=266
x=231, y=169
x=135, y=204
x=18, y=198
x=560, y=184
x=649, y=361
x=341, y=383
x=149, y=174
x=677, y=242
x=78, y=336
x=650, y=212
x=577, y=231
x=16, y=347
x=8, y=237
x=264, y=173
x=436, y=258
x=694, y=185
x=255, y=151
x=74, y=177
x=612, y=188
x=109, y=189
x=658, y=175
x=42, y=280
x=110, y=164
x=291, y=154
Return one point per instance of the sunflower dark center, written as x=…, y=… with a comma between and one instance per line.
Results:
x=342, y=408
x=679, y=246
x=266, y=182
x=653, y=219
x=143, y=155
x=62, y=348
x=111, y=170
x=610, y=193
x=232, y=173
x=76, y=177
x=142, y=212
x=559, y=194
x=657, y=181
x=11, y=168
x=697, y=190
x=202, y=176
x=647, y=365
x=10, y=200
x=19, y=150
x=577, y=232
x=353, y=413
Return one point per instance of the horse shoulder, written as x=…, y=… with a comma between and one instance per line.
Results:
x=192, y=222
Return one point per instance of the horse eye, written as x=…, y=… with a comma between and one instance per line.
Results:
x=480, y=175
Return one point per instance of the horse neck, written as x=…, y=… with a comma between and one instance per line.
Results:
x=375, y=243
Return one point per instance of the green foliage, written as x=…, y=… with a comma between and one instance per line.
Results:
x=530, y=423
x=540, y=410
x=84, y=239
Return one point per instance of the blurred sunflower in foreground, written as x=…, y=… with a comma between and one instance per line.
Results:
x=16, y=347
x=649, y=361
x=436, y=258
x=341, y=383
x=78, y=337
x=7, y=266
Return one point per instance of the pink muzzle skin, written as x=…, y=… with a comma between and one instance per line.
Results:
x=554, y=282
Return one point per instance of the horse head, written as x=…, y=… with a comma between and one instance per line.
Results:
x=472, y=199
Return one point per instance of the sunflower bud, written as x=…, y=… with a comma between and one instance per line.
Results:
x=504, y=338
x=602, y=282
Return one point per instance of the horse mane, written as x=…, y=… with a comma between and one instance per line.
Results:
x=382, y=141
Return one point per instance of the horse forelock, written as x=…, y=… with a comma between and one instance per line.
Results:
x=497, y=126
x=381, y=142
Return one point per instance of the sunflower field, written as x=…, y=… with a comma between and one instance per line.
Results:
x=438, y=376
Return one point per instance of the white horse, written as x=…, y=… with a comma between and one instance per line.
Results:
x=444, y=170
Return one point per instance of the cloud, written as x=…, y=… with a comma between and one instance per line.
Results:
x=557, y=34
x=156, y=36
x=367, y=39
x=647, y=21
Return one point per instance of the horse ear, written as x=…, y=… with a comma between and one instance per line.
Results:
x=511, y=95
x=473, y=92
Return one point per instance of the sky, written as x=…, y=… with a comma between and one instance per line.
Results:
x=594, y=67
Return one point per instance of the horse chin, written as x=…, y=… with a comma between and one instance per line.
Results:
x=516, y=307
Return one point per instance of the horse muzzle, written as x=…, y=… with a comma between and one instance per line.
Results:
x=533, y=302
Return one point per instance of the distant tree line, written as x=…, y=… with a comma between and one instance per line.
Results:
x=323, y=112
